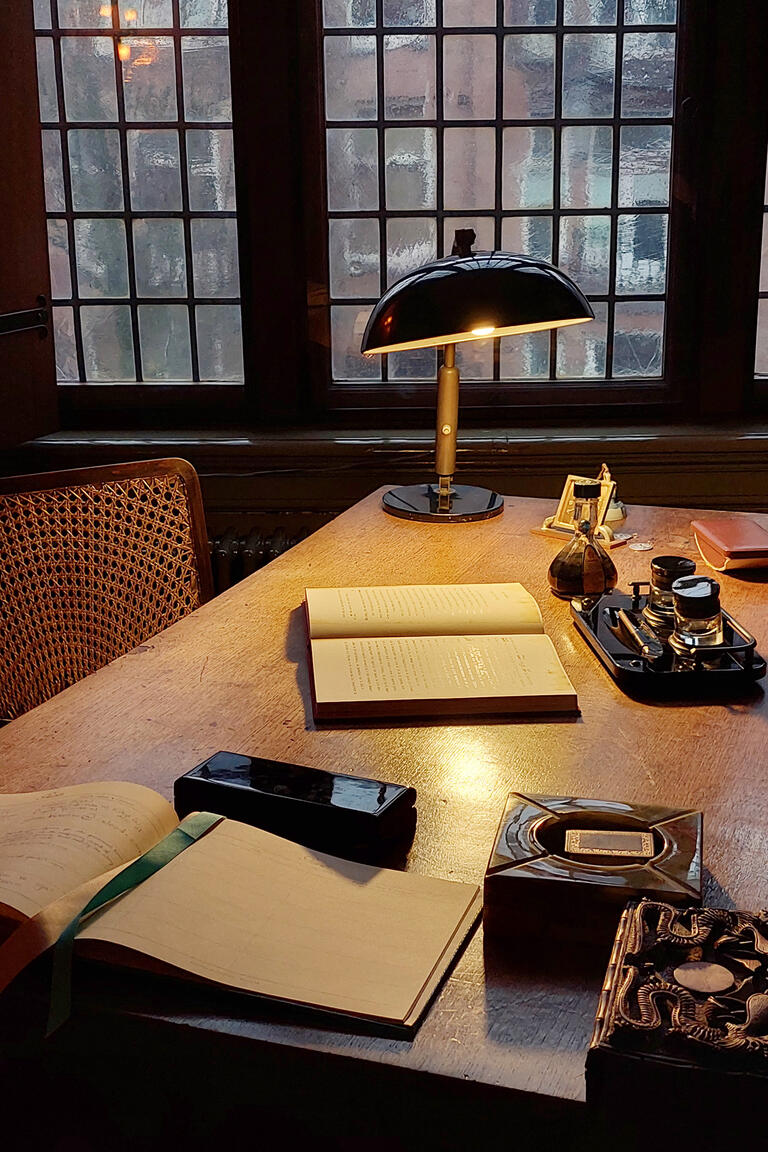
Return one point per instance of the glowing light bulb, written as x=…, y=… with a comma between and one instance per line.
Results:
x=105, y=10
x=124, y=50
x=484, y=331
x=130, y=14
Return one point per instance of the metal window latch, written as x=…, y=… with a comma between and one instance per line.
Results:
x=27, y=319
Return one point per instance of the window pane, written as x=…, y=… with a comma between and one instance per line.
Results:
x=644, y=165
x=58, y=256
x=469, y=168
x=529, y=77
x=55, y=200
x=586, y=167
x=46, y=80
x=211, y=170
x=219, y=341
x=164, y=336
x=214, y=257
x=469, y=77
x=542, y=12
x=528, y=236
x=149, y=79
x=401, y=13
x=528, y=168
x=348, y=323
x=146, y=14
x=107, y=342
x=466, y=13
x=95, y=169
x=410, y=243
x=102, y=262
x=416, y=364
x=484, y=228
x=474, y=359
x=585, y=251
x=84, y=14
x=349, y=13
x=350, y=78
x=65, y=346
x=153, y=168
x=525, y=357
x=589, y=12
x=205, y=67
x=42, y=10
x=764, y=257
x=354, y=257
x=410, y=176
x=650, y=11
x=641, y=254
x=409, y=77
x=353, y=169
x=761, y=357
x=648, y=74
x=88, y=67
x=158, y=248
x=203, y=13
x=588, y=74
x=581, y=350
x=638, y=338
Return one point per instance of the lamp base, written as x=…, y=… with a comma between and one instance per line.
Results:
x=420, y=502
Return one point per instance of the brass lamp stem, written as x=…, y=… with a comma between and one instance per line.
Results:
x=447, y=420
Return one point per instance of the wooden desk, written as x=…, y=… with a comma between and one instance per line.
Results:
x=502, y=1043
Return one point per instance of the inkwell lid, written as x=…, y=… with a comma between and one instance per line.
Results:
x=587, y=490
x=666, y=569
x=697, y=597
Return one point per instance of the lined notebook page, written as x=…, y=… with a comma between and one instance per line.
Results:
x=253, y=911
x=51, y=842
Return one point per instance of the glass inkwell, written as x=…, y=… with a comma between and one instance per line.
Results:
x=583, y=569
x=698, y=631
x=659, y=611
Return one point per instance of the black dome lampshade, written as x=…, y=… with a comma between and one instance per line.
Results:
x=467, y=296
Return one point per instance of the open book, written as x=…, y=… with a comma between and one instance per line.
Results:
x=432, y=649
x=239, y=908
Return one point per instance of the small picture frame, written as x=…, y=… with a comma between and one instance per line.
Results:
x=563, y=517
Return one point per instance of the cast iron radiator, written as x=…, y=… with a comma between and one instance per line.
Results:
x=234, y=556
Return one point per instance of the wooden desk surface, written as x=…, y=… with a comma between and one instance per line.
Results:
x=234, y=676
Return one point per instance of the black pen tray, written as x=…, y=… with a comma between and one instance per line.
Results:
x=739, y=665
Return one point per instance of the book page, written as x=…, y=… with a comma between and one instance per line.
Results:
x=53, y=841
x=422, y=610
x=439, y=668
x=252, y=911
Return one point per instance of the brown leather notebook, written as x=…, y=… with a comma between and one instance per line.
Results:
x=732, y=542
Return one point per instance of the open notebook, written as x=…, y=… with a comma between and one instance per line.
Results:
x=432, y=649
x=240, y=908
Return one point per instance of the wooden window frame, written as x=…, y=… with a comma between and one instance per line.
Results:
x=715, y=219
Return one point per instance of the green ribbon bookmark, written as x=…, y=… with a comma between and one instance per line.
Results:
x=136, y=873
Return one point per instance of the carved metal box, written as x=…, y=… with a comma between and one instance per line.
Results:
x=683, y=1024
x=535, y=885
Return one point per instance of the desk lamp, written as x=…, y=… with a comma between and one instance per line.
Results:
x=467, y=296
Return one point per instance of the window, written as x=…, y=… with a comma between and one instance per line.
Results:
x=136, y=109
x=549, y=133
x=624, y=139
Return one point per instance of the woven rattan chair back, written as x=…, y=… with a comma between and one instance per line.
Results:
x=92, y=563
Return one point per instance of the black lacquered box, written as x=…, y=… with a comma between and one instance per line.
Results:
x=681, y=1034
x=537, y=885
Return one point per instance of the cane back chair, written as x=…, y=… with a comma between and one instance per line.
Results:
x=93, y=562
